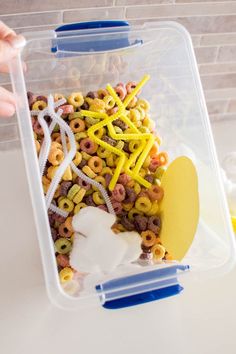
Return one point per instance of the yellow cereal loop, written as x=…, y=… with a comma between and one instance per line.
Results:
x=101, y=180
x=39, y=105
x=103, y=153
x=73, y=191
x=109, y=102
x=137, y=188
x=80, y=135
x=78, y=158
x=66, y=274
x=106, y=170
x=110, y=160
x=134, y=212
x=158, y=252
x=143, y=204
x=99, y=133
x=85, y=156
x=89, y=172
x=127, y=206
x=78, y=207
x=67, y=174
x=66, y=204
x=51, y=171
x=79, y=196
x=55, y=156
x=154, y=209
x=97, y=198
x=76, y=99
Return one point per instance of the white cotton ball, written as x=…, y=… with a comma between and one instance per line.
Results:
x=106, y=249
x=78, y=256
x=134, y=250
x=89, y=218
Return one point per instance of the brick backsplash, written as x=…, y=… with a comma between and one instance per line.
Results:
x=212, y=25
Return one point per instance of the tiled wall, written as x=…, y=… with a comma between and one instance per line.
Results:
x=212, y=25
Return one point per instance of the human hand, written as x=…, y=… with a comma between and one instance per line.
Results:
x=10, y=43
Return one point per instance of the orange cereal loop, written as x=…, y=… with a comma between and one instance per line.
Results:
x=57, y=193
x=156, y=193
x=55, y=156
x=168, y=257
x=149, y=238
x=102, y=93
x=54, y=136
x=37, y=145
x=77, y=125
x=158, y=252
x=68, y=223
x=64, y=231
x=56, y=145
x=58, y=96
x=162, y=158
x=154, y=150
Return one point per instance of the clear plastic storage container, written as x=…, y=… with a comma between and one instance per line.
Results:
x=85, y=59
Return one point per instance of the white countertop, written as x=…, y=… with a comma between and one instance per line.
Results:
x=201, y=320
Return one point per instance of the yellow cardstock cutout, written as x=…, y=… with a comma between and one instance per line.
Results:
x=179, y=207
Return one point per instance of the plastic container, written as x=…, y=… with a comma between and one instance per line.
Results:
x=63, y=61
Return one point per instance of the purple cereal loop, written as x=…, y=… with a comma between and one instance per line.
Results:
x=54, y=234
x=109, y=140
x=154, y=224
x=89, y=201
x=119, y=123
x=146, y=249
x=92, y=94
x=42, y=98
x=85, y=106
x=85, y=185
x=131, y=195
x=31, y=99
x=149, y=178
x=128, y=224
x=108, y=178
x=51, y=218
x=82, y=163
x=126, y=147
x=140, y=223
x=64, y=187
x=37, y=128
x=103, y=207
x=117, y=207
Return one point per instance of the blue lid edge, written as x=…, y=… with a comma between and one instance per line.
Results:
x=139, y=299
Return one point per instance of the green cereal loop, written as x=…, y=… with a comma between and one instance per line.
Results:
x=75, y=115
x=73, y=191
x=66, y=205
x=143, y=129
x=63, y=246
x=120, y=145
x=91, y=121
x=159, y=172
x=118, y=130
x=56, y=128
x=85, y=155
x=80, y=135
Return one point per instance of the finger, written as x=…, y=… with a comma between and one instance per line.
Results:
x=4, y=68
x=6, y=51
x=6, y=109
x=7, y=96
x=5, y=31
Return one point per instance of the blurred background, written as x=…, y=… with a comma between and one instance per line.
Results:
x=212, y=25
